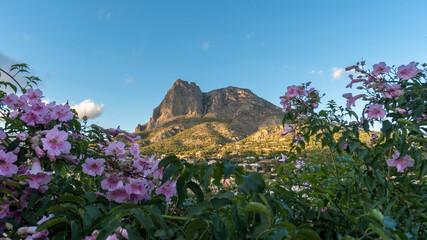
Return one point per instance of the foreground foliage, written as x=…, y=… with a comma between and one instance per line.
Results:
x=63, y=180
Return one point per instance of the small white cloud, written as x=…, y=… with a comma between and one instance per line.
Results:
x=88, y=108
x=337, y=73
x=315, y=72
x=102, y=14
x=250, y=35
x=319, y=72
x=128, y=80
x=27, y=37
x=206, y=45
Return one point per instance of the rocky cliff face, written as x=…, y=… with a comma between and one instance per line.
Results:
x=243, y=109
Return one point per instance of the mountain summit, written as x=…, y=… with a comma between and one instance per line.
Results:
x=232, y=113
x=239, y=106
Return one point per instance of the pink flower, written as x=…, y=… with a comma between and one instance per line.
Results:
x=375, y=111
x=408, y=71
x=33, y=94
x=10, y=100
x=399, y=163
x=7, y=168
x=400, y=110
x=111, y=182
x=168, y=189
x=286, y=130
x=350, y=85
x=31, y=118
x=136, y=186
x=123, y=232
x=299, y=164
x=38, y=177
x=352, y=100
x=112, y=237
x=283, y=158
x=292, y=91
x=44, y=219
x=93, y=167
x=134, y=150
x=392, y=91
x=379, y=68
x=118, y=195
x=374, y=137
x=115, y=149
x=2, y=134
x=55, y=142
x=22, y=136
x=62, y=113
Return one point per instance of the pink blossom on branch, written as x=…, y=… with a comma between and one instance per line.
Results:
x=375, y=111
x=379, y=68
x=7, y=168
x=56, y=142
x=93, y=167
x=408, y=71
x=399, y=162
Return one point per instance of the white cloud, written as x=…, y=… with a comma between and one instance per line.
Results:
x=88, y=108
x=102, y=14
x=337, y=73
x=206, y=45
x=250, y=35
x=128, y=80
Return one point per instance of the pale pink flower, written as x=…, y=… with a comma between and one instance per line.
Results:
x=286, y=130
x=136, y=186
x=38, y=177
x=399, y=163
x=44, y=219
x=2, y=134
x=115, y=149
x=350, y=85
x=392, y=91
x=134, y=150
x=33, y=94
x=283, y=158
x=39, y=151
x=111, y=182
x=352, y=100
x=292, y=91
x=379, y=68
x=123, y=232
x=299, y=163
x=93, y=167
x=56, y=142
x=374, y=137
x=22, y=136
x=375, y=111
x=62, y=113
x=408, y=71
x=400, y=110
x=168, y=189
x=113, y=131
x=7, y=168
x=118, y=195
x=10, y=100
x=30, y=117
x=112, y=237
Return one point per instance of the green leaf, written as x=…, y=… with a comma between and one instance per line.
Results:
x=196, y=190
x=307, y=234
x=168, y=160
x=194, y=229
x=75, y=231
x=169, y=172
x=253, y=183
x=71, y=198
x=259, y=208
x=377, y=215
x=133, y=233
x=52, y=222
x=379, y=231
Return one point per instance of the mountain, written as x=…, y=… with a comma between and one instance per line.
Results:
x=189, y=119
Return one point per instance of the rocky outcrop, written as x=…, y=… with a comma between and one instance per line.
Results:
x=241, y=107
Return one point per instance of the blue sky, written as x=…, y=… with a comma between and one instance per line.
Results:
x=125, y=55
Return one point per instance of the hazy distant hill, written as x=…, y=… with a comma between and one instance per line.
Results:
x=188, y=119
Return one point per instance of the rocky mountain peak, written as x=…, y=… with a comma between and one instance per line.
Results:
x=240, y=107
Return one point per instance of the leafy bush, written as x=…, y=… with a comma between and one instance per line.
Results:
x=62, y=180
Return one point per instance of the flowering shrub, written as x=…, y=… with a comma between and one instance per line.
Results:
x=64, y=180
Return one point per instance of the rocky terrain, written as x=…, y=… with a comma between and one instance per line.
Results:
x=233, y=113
